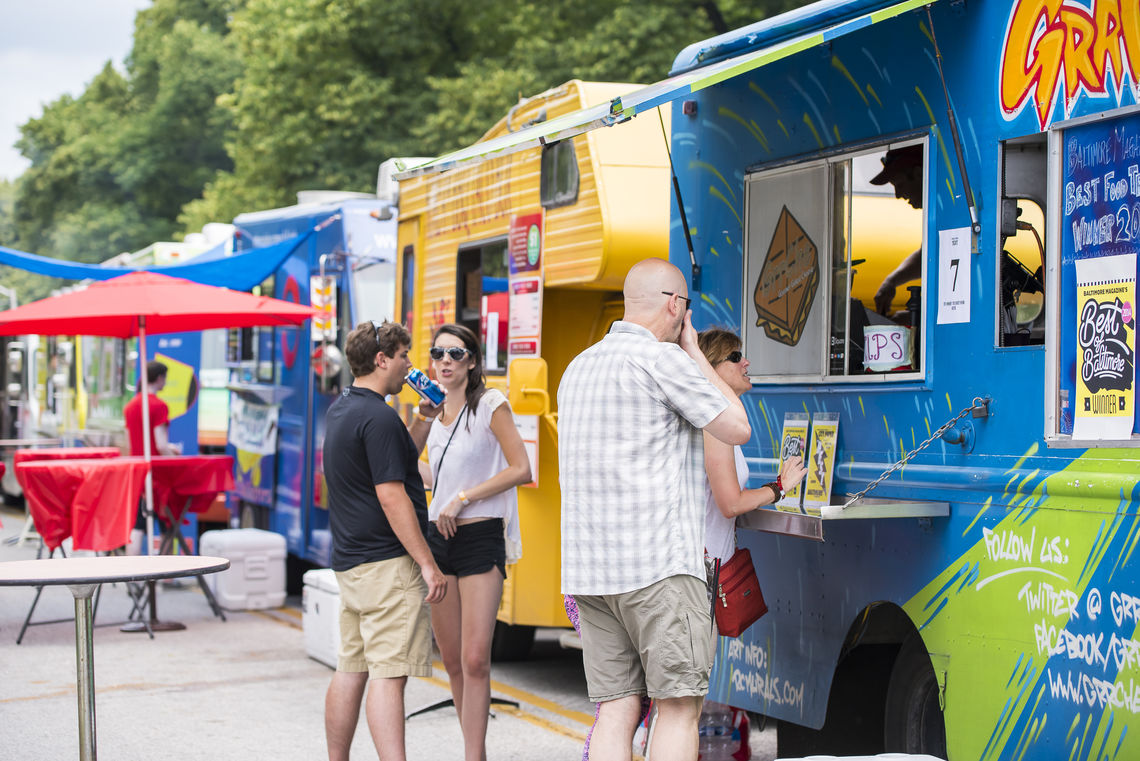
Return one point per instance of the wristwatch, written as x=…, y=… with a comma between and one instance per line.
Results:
x=463, y=498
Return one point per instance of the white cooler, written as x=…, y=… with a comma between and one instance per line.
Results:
x=256, y=577
x=320, y=615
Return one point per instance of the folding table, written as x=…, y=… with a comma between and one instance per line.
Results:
x=92, y=501
x=181, y=484
x=82, y=576
x=53, y=453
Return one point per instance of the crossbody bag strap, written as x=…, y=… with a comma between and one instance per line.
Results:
x=439, y=465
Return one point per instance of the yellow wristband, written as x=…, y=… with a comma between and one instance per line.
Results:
x=424, y=418
x=463, y=498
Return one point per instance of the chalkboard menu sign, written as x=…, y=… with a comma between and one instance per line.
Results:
x=1100, y=237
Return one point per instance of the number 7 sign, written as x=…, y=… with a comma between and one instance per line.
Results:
x=954, y=275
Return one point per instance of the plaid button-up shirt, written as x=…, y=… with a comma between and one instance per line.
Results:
x=631, y=461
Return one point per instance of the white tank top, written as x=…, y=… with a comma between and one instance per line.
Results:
x=720, y=532
x=473, y=456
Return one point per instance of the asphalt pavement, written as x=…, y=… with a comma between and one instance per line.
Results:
x=239, y=689
x=245, y=688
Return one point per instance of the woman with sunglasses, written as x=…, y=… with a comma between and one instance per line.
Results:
x=476, y=459
x=725, y=468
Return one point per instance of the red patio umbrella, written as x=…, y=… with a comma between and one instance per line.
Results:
x=144, y=302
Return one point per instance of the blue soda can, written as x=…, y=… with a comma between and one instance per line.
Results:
x=425, y=386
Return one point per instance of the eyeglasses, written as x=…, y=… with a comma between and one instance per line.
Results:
x=734, y=356
x=688, y=301
x=455, y=352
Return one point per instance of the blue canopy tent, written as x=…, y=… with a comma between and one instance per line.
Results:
x=239, y=272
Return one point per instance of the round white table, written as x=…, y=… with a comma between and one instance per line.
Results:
x=82, y=576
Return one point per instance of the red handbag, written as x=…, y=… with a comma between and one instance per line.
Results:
x=738, y=601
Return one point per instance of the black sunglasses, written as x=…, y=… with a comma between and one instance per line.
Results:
x=688, y=301
x=376, y=332
x=734, y=356
x=455, y=352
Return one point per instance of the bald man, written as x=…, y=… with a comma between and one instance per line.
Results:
x=631, y=409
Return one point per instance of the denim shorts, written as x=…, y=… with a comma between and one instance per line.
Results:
x=475, y=548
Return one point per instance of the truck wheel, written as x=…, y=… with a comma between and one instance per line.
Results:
x=913, y=721
x=511, y=643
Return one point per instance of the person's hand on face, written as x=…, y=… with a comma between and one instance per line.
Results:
x=688, y=338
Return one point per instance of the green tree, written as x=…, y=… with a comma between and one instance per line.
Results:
x=332, y=87
x=595, y=40
x=111, y=170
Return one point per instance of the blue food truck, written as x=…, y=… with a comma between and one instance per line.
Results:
x=923, y=221
x=282, y=380
x=924, y=225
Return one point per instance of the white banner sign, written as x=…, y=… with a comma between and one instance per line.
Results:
x=253, y=427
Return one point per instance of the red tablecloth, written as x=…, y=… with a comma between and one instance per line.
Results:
x=193, y=479
x=60, y=453
x=92, y=501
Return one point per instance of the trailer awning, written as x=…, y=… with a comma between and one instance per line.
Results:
x=241, y=271
x=625, y=107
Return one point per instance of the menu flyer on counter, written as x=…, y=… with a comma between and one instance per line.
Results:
x=820, y=462
x=793, y=442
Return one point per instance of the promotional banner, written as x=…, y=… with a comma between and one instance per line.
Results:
x=253, y=427
x=524, y=253
x=322, y=295
x=793, y=442
x=1099, y=230
x=820, y=461
x=1106, y=347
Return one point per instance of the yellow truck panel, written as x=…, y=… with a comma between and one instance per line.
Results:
x=452, y=235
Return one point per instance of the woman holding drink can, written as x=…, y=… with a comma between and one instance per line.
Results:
x=476, y=459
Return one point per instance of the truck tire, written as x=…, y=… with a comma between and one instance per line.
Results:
x=913, y=721
x=511, y=643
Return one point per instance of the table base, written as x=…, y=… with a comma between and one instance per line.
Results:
x=158, y=626
x=152, y=624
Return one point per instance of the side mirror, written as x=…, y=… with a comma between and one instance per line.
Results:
x=526, y=384
x=1009, y=215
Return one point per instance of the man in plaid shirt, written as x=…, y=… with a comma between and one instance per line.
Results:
x=631, y=409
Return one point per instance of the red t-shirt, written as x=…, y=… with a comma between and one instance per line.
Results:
x=133, y=418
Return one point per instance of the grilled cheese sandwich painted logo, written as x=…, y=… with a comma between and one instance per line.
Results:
x=788, y=280
x=1056, y=49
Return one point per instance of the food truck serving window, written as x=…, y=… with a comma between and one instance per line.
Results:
x=1094, y=179
x=481, y=301
x=834, y=267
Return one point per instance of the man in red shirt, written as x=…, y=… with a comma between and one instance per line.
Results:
x=159, y=416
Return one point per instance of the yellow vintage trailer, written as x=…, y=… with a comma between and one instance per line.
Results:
x=580, y=213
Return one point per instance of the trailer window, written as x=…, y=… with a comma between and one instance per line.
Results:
x=558, y=181
x=481, y=301
x=834, y=266
x=408, y=286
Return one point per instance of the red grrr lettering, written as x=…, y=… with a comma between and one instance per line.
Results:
x=1049, y=42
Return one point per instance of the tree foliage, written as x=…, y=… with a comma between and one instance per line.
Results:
x=111, y=170
x=229, y=106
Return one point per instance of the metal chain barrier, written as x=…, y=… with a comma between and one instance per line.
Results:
x=977, y=404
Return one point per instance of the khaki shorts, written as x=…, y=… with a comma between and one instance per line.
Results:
x=656, y=641
x=385, y=626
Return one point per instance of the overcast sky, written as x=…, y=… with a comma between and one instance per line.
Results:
x=52, y=47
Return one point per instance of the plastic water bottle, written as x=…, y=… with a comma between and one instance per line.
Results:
x=715, y=733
